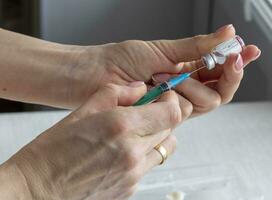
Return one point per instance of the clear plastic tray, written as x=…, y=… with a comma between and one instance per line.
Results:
x=197, y=183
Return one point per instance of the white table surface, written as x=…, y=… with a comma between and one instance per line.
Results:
x=239, y=134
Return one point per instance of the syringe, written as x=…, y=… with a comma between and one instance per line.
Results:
x=217, y=56
x=157, y=91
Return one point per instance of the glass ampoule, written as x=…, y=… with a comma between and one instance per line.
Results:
x=220, y=53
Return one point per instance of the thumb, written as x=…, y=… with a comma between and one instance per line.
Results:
x=128, y=95
x=189, y=49
x=113, y=95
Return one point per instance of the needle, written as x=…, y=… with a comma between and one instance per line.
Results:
x=156, y=92
x=198, y=69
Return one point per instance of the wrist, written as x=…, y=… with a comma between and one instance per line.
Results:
x=83, y=73
x=30, y=175
x=13, y=183
x=42, y=72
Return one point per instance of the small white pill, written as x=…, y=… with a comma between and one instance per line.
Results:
x=175, y=196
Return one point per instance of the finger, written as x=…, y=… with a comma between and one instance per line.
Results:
x=150, y=141
x=192, y=66
x=187, y=67
x=230, y=80
x=186, y=107
x=249, y=54
x=154, y=158
x=148, y=59
x=155, y=117
x=193, y=48
x=211, y=84
x=113, y=95
x=203, y=98
x=161, y=77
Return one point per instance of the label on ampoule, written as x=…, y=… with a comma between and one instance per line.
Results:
x=220, y=53
x=232, y=46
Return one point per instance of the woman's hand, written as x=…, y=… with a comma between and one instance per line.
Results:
x=37, y=71
x=101, y=150
x=129, y=61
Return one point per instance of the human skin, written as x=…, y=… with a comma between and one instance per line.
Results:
x=65, y=76
x=100, y=151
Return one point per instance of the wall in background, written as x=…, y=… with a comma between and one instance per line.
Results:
x=257, y=83
x=99, y=21
x=94, y=22
x=103, y=21
x=20, y=16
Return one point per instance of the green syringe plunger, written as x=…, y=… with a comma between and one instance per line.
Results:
x=157, y=91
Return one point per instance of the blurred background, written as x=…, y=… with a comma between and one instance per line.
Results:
x=90, y=22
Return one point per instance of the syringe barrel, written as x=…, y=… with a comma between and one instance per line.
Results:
x=153, y=94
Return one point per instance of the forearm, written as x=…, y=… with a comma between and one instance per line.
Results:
x=36, y=71
x=13, y=185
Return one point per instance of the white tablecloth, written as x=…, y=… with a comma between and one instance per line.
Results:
x=237, y=133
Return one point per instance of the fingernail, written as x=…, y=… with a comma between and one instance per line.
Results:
x=223, y=28
x=258, y=54
x=136, y=84
x=180, y=65
x=239, y=64
x=160, y=77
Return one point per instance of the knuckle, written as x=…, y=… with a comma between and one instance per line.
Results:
x=111, y=88
x=232, y=79
x=175, y=115
x=210, y=104
x=172, y=95
x=231, y=84
x=187, y=110
x=131, y=157
x=215, y=101
x=119, y=124
x=197, y=38
x=129, y=43
x=227, y=100
x=198, y=43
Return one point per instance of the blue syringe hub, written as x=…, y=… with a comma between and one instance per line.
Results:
x=178, y=80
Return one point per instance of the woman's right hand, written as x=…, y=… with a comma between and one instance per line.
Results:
x=101, y=150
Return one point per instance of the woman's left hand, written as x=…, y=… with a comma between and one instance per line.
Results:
x=130, y=61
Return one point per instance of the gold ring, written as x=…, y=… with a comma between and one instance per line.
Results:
x=163, y=152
